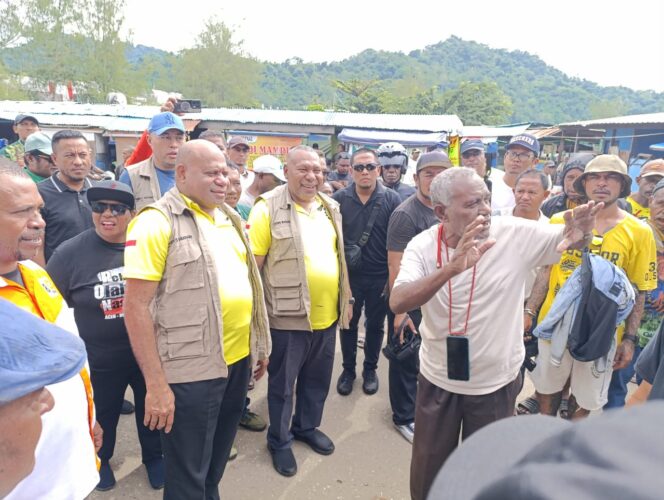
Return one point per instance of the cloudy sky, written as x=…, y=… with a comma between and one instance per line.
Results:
x=611, y=44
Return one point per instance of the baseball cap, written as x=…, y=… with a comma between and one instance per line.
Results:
x=39, y=141
x=617, y=454
x=34, y=353
x=472, y=145
x=268, y=164
x=237, y=140
x=433, y=159
x=112, y=190
x=22, y=117
x=162, y=122
x=605, y=163
x=527, y=141
x=653, y=168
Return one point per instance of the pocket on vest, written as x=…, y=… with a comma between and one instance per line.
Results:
x=288, y=300
x=186, y=269
x=182, y=332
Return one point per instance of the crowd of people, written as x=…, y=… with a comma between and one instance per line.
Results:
x=193, y=275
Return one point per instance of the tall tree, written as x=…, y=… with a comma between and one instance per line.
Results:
x=477, y=103
x=216, y=70
x=11, y=26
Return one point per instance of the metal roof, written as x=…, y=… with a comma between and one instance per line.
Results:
x=646, y=119
x=484, y=131
x=135, y=118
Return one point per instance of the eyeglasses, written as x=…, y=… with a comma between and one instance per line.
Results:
x=369, y=167
x=519, y=156
x=472, y=153
x=46, y=157
x=116, y=208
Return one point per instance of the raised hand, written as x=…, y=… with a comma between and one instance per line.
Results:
x=579, y=224
x=469, y=249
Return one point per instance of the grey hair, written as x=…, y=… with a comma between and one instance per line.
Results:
x=301, y=147
x=543, y=178
x=443, y=184
x=8, y=167
x=212, y=133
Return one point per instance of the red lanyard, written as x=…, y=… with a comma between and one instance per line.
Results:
x=439, y=264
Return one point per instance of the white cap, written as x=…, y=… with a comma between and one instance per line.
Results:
x=268, y=164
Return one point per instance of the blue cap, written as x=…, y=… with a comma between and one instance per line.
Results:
x=34, y=353
x=527, y=141
x=165, y=121
x=471, y=145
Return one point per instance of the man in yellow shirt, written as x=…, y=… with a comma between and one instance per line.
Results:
x=196, y=318
x=297, y=241
x=651, y=173
x=624, y=241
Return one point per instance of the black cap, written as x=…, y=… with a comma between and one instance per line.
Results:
x=112, y=190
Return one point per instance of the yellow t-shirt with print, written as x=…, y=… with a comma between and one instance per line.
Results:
x=629, y=245
x=321, y=259
x=145, y=259
x=638, y=210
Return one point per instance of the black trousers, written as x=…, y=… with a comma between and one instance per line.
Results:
x=109, y=383
x=196, y=450
x=403, y=375
x=300, y=364
x=368, y=293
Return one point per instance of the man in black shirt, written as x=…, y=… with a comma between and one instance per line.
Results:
x=368, y=278
x=409, y=219
x=341, y=177
x=66, y=209
x=87, y=270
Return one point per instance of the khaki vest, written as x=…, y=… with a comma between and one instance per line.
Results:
x=186, y=309
x=284, y=274
x=144, y=183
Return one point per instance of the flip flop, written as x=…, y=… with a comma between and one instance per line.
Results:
x=528, y=406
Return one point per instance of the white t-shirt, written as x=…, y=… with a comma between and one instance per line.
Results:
x=502, y=196
x=495, y=327
x=246, y=179
x=65, y=466
x=246, y=198
x=530, y=280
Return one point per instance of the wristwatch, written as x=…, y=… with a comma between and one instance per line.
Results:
x=631, y=337
x=351, y=301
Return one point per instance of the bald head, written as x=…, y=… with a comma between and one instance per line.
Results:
x=201, y=174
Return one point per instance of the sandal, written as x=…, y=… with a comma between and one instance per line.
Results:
x=563, y=410
x=528, y=406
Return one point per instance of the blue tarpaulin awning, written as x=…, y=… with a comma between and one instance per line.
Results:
x=657, y=147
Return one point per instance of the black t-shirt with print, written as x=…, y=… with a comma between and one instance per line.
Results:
x=88, y=272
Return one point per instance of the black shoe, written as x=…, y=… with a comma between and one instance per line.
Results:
x=127, y=408
x=318, y=442
x=156, y=473
x=345, y=383
x=106, y=478
x=283, y=461
x=370, y=383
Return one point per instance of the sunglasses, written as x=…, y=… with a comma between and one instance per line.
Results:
x=116, y=208
x=369, y=167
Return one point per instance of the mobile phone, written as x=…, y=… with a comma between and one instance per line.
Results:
x=187, y=106
x=458, y=357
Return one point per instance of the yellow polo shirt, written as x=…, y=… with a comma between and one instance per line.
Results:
x=321, y=259
x=629, y=245
x=145, y=259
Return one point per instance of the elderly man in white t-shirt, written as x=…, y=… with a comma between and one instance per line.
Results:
x=468, y=276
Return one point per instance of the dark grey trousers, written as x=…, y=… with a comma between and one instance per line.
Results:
x=300, y=365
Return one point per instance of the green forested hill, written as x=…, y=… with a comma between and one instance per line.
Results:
x=480, y=84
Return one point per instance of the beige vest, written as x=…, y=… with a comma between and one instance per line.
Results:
x=284, y=274
x=186, y=309
x=144, y=183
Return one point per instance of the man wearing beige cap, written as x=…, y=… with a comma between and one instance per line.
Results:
x=268, y=174
x=238, y=152
x=408, y=220
x=651, y=173
x=38, y=162
x=627, y=243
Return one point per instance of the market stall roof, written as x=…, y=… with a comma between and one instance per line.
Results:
x=629, y=120
x=133, y=118
x=360, y=136
x=481, y=131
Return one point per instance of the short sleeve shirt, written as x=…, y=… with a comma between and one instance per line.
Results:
x=321, y=258
x=145, y=259
x=650, y=365
x=408, y=220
